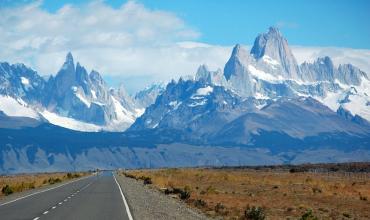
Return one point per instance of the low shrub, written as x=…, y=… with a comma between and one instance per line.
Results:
x=129, y=176
x=7, y=190
x=73, y=175
x=308, y=216
x=221, y=209
x=363, y=198
x=200, y=203
x=316, y=190
x=53, y=180
x=147, y=180
x=346, y=215
x=254, y=213
x=184, y=194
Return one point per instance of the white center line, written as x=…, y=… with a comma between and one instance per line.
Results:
x=53, y=207
x=46, y=212
x=65, y=200
x=35, y=193
x=36, y=218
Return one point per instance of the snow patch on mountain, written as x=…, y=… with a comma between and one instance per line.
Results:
x=69, y=123
x=358, y=105
x=198, y=103
x=83, y=99
x=13, y=107
x=270, y=61
x=139, y=112
x=122, y=114
x=93, y=94
x=260, y=74
x=204, y=91
x=25, y=81
x=175, y=104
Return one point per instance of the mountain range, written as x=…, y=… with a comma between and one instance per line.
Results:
x=262, y=108
x=72, y=98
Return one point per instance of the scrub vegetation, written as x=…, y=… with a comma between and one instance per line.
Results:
x=10, y=184
x=320, y=191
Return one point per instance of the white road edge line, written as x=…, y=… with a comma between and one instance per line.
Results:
x=35, y=193
x=124, y=199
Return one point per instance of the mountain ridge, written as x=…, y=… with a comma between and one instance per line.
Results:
x=261, y=105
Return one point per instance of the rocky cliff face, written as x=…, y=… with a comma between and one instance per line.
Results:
x=272, y=48
x=21, y=82
x=147, y=96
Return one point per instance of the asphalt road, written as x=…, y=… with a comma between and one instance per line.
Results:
x=97, y=197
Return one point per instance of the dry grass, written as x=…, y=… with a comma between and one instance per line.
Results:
x=18, y=183
x=283, y=195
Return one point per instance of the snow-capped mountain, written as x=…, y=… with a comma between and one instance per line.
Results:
x=270, y=70
x=192, y=107
x=21, y=82
x=212, y=77
x=147, y=96
x=262, y=108
x=72, y=98
x=263, y=93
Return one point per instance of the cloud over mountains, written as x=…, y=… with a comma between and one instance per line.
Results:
x=128, y=43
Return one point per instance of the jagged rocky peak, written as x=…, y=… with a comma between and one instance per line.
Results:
x=234, y=65
x=95, y=76
x=20, y=81
x=239, y=51
x=203, y=73
x=349, y=74
x=69, y=58
x=68, y=65
x=66, y=76
x=81, y=74
x=212, y=77
x=273, y=46
x=263, y=41
x=122, y=91
x=323, y=69
x=202, y=69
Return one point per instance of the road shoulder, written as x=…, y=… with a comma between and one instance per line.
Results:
x=146, y=203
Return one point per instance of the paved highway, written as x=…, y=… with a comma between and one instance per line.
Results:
x=98, y=197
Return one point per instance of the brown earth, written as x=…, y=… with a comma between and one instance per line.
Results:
x=283, y=194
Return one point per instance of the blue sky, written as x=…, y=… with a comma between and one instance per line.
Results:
x=145, y=41
x=340, y=23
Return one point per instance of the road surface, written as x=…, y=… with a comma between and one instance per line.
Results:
x=97, y=197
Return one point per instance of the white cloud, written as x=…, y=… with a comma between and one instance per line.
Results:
x=131, y=42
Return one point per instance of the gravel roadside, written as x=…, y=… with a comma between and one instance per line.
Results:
x=148, y=204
